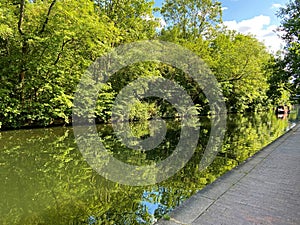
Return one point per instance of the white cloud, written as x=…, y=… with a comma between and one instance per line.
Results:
x=224, y=8
x=147, y=18
x=261, y=27
x=162, y=22
x=276, y=6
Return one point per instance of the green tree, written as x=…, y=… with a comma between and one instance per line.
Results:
x=134, y=18
x=290, y=26
x=190, y=18
x=47, y=45
x=239, y=61
x=280, y=89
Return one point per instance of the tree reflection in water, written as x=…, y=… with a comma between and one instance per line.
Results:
x=45, y=180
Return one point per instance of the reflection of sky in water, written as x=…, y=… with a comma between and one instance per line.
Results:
x=151, y=206
x=150, y=203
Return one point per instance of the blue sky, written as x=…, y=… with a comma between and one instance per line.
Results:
x=256, y=17
x=247, y=9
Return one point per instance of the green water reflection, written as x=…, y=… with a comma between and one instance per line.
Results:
x=45, y=180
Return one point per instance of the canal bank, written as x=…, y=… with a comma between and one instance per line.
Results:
x=265, y=189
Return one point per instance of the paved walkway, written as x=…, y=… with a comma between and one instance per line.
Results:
x=263, y=190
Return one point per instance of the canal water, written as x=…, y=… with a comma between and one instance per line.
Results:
x=45, y=179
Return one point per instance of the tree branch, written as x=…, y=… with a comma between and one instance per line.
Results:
x=239, y=77
x=62, y=49
x=21, y=17
x=47, y=17
x=232, y=79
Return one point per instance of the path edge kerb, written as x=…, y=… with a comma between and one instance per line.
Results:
x=186, y=213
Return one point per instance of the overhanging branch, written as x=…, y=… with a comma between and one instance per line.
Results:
x=21, y=17
x=47, y=17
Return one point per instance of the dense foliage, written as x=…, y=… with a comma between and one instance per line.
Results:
x=46, y=46
x=290, y=30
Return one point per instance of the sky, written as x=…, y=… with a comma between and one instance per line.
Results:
x=257, y=17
